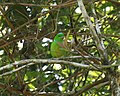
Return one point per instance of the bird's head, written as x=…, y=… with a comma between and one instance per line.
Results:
x=59, y=37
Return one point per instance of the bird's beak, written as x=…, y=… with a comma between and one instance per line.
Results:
x=62, y=37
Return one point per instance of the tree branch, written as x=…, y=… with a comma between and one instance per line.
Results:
x=87, y=87
x=14, y=90
x=98, y=41
x=29, y=62
x=49, y=61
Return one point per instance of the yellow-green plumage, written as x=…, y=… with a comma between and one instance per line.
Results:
x=57, y=47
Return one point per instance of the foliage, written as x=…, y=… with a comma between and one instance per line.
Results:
x=25, y=24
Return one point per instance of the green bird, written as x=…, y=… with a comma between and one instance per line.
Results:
x=57, y=48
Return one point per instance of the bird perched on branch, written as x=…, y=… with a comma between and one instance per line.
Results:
x=58, y=48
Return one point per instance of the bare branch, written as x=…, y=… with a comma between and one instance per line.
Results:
x=99, y=44
x=37, y=5
x=29, y=62
x=87, y=87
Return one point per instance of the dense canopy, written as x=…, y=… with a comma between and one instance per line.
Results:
x=92, y=35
